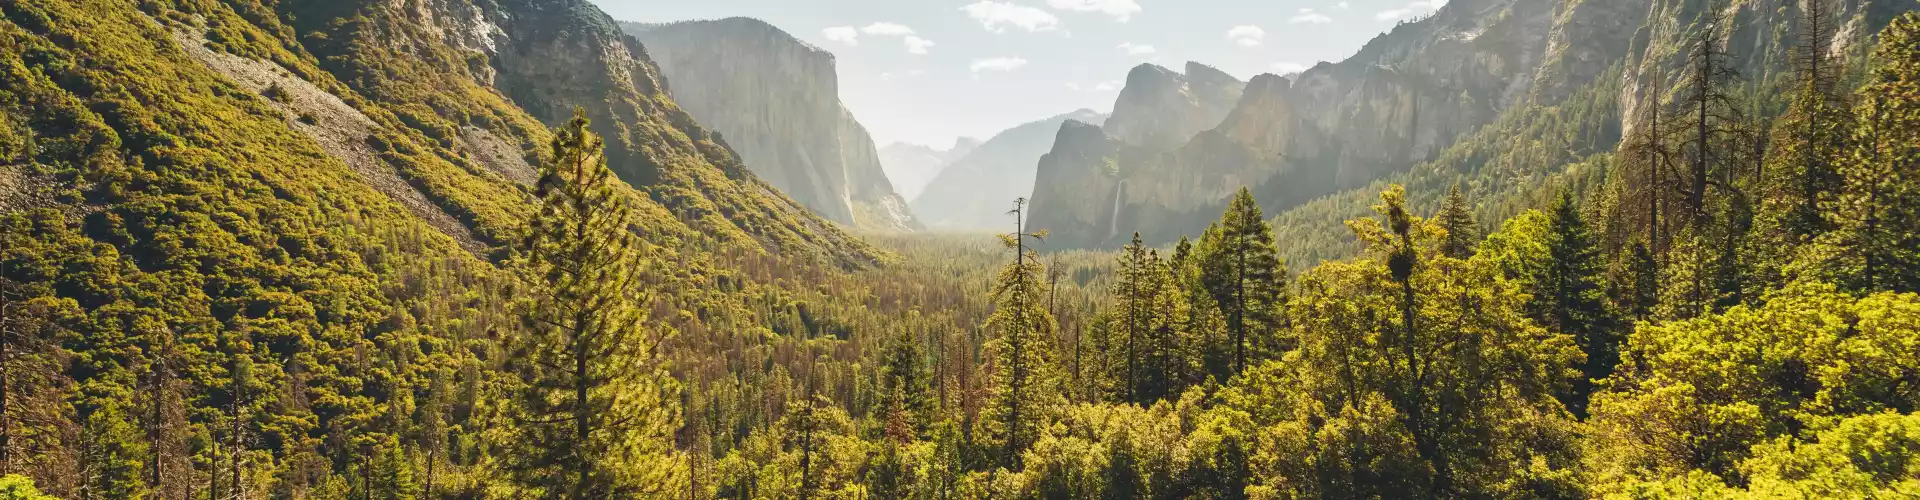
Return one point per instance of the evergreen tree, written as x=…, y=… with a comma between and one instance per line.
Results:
x=1567, y=298
x=1878, y=246
x=1810, y=139
x=1640, y=291
x=1134, y=317
x=1463, y=232
x=1243, y=271
x=1024, y=391
x=589, y=418
x=112, y=453
x=904, y=386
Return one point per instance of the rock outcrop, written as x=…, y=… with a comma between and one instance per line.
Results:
x=776, y=101
x=1401, y=99
x=1160, y=109
x=912, y=166
x=976, y=190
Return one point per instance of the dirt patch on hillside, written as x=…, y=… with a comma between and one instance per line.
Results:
x=20, y=191
x=341, y=131
x=501, y=156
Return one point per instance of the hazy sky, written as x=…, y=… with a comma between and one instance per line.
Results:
x=928, y=71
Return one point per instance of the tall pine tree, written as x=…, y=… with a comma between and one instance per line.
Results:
x=1024, y=390
x=1878, y=246
x=1568, y=298
x=1242, y=270
x=591, y=417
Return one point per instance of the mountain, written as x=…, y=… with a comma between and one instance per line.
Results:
x=912, y=166
x=1404, y=96
x=1159, y=108
x=776, y=101
x=976, y=191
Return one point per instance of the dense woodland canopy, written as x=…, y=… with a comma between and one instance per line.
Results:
x=1728, y=306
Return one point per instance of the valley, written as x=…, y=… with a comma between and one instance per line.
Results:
x=451, y=249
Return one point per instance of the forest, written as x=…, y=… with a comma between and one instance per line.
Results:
x=1725, y=304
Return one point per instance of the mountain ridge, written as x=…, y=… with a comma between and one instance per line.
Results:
x=776, y=100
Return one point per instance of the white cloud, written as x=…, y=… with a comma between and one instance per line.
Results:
x=1343, y=6
x=1308, y=16
x=1073, y=86
x=1413, y=9
x=1138, y=50
x=891, y=76
x=917, y=45
x=1001, y=64
x=1287, y=68
x=996, y=16
x=1247, y=36
x=886, y=29
x=1121, y=10
x=842, y=34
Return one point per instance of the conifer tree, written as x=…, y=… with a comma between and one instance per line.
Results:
x=905, y=388
x=1463, y=232
x=1024, y=391
x=590, y=418
x=1135, y=316
x=1810, y=139
x=1640, y=294
x=1878, y=246
x=1243, y=271
x=1567, y=297
x=112, y=453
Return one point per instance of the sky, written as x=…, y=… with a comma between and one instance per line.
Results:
x=931, y=71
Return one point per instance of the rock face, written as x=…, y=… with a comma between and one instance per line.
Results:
x=1175, y=157
x=776, y=101
x=1159, y=108
x=912, y=166
x=977, y=189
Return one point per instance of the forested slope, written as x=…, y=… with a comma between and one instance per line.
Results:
x=246, y=243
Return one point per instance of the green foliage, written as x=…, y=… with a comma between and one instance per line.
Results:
x=18, y=487
x=1879, y=207
x=589, y=414
x=1567, y=297
x=1701, y=394
x=1239, y=266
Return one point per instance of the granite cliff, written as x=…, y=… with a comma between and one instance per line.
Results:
x=776, y=101
x=1405, y=96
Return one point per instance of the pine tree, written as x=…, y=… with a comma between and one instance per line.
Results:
x=1640, y=292
x=1134, y=317
x=1463, y=232
x=1811, y=137
x=112, y=453
x=1567, y=298
x=1023, y=388
x=1710, y=125
x=905, y=388
x=1878, y=246
x=1243, y=271
x=590, y=419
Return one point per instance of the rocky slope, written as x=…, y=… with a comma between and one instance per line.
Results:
x=776, y=101
x=976, y=190
x=1400, y=100
x=912, y=166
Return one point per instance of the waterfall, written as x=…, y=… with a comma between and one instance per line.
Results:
x=1119, y=196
